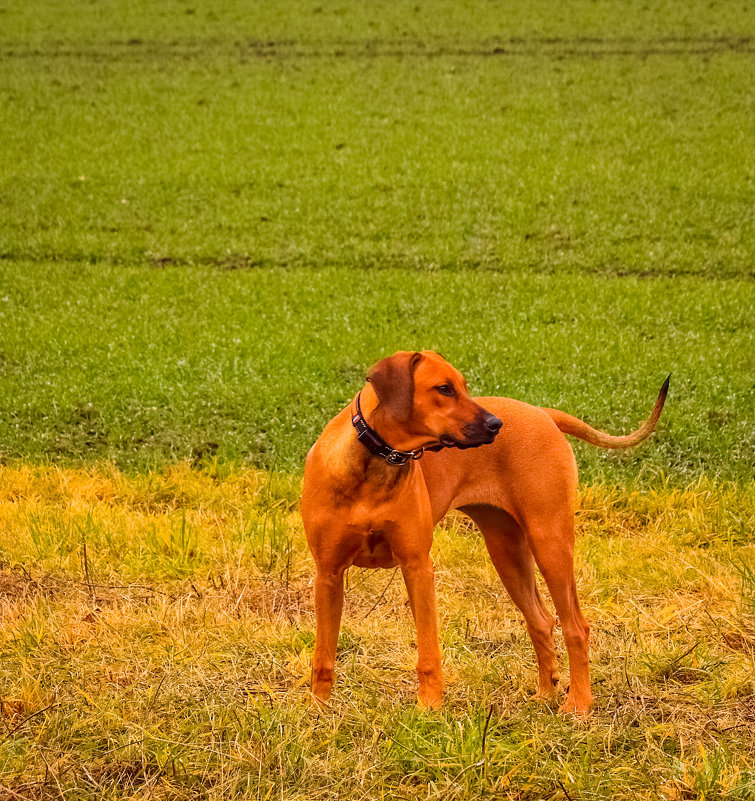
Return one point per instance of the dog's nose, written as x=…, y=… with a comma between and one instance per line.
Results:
x=493, y=424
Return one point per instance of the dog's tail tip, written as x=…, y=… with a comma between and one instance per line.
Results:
x=649, y=424
x=664, y=388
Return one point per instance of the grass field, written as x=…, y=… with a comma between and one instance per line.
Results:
x=157, y=631
x=214, y=216
x=441, y=134
x=561, y=203
x=141, y=367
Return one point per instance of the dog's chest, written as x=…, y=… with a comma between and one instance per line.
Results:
x=375, y=550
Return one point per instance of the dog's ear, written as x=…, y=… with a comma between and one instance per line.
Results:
x=392, y=379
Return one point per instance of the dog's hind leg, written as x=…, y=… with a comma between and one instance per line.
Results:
x=515, y=564
x=552, y=543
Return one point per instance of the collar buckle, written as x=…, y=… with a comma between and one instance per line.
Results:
x=398, y=458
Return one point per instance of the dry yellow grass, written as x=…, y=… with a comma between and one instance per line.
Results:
x=156, y=631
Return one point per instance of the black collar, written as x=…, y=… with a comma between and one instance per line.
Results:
x=376, y=444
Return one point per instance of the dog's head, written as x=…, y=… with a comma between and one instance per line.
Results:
x=428, y=398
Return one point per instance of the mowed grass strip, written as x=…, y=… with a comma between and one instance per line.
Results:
x=145, y=366
x=420, y=135
x=157, y=633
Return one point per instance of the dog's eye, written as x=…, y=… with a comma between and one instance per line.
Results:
x=446, y=389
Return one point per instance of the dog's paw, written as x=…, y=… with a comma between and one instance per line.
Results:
x=576, y=706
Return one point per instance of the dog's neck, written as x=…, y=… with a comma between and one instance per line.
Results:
x=383, y=423
x=354, y=462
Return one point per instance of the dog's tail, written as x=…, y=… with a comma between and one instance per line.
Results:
x=577, y=428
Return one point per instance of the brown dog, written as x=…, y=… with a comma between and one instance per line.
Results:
x=502, y=462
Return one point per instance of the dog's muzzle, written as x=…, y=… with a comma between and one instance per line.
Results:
x=482, y=432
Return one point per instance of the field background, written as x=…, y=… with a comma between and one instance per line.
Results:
x=214, y=216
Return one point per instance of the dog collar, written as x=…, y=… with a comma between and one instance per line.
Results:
x=376, y=445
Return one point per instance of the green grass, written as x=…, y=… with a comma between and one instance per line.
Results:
x=144, y=366
x=420, y=135
x=560, y=201
x=156, y=636
x=214, y=217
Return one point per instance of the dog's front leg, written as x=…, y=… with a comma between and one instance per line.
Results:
x=328, y=608
x=419, y=576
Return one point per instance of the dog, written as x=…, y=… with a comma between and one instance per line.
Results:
x=412, y=445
